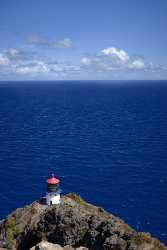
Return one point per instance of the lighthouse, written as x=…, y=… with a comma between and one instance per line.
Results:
x=53, y=191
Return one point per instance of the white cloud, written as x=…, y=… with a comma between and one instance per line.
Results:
x=17, y=62
x=13, y=52
x=137, y=64
x=38, y=39
x=116, y=54
x=107, y=63
x=111, y=58
x=36, y=68
x=86, y=61
x=4, y=61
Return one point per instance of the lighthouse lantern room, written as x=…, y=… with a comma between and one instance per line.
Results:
x=53, y=191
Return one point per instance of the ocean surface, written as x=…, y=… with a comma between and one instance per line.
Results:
x=107, y=141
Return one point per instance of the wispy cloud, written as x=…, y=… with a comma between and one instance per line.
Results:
x=38, y=39
x=18, y=62
x=4, y=61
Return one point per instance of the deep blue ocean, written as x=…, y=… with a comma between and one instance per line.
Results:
x=107, y=141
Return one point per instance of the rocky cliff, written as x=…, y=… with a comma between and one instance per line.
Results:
x=74, y=224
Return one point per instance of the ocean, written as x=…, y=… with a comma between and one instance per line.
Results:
x=106, y=141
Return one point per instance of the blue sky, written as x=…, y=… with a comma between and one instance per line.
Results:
x=90, y=39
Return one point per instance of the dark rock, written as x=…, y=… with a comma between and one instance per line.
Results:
x=115, y=242
x=72, y=224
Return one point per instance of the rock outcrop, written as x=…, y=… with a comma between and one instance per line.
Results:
x=44, y=245
x=74, y=224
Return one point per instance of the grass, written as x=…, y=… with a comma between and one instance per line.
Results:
x=141, y=238
x=76, y=198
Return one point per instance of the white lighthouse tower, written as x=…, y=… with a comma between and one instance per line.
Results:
x=53, y=191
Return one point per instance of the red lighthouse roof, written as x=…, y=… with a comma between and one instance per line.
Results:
x=53, y=180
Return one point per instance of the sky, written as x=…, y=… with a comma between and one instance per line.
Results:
x=83, y=40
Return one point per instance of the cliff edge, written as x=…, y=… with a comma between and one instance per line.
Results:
x=74, y=224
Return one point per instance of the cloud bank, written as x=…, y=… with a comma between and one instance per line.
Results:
x=106, y=64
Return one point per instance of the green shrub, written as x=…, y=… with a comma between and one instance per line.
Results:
x=9, y=238
x=12, y=232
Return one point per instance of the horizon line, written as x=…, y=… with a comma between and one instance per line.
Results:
x=78, y=80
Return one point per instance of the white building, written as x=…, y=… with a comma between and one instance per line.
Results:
x=53, y=191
